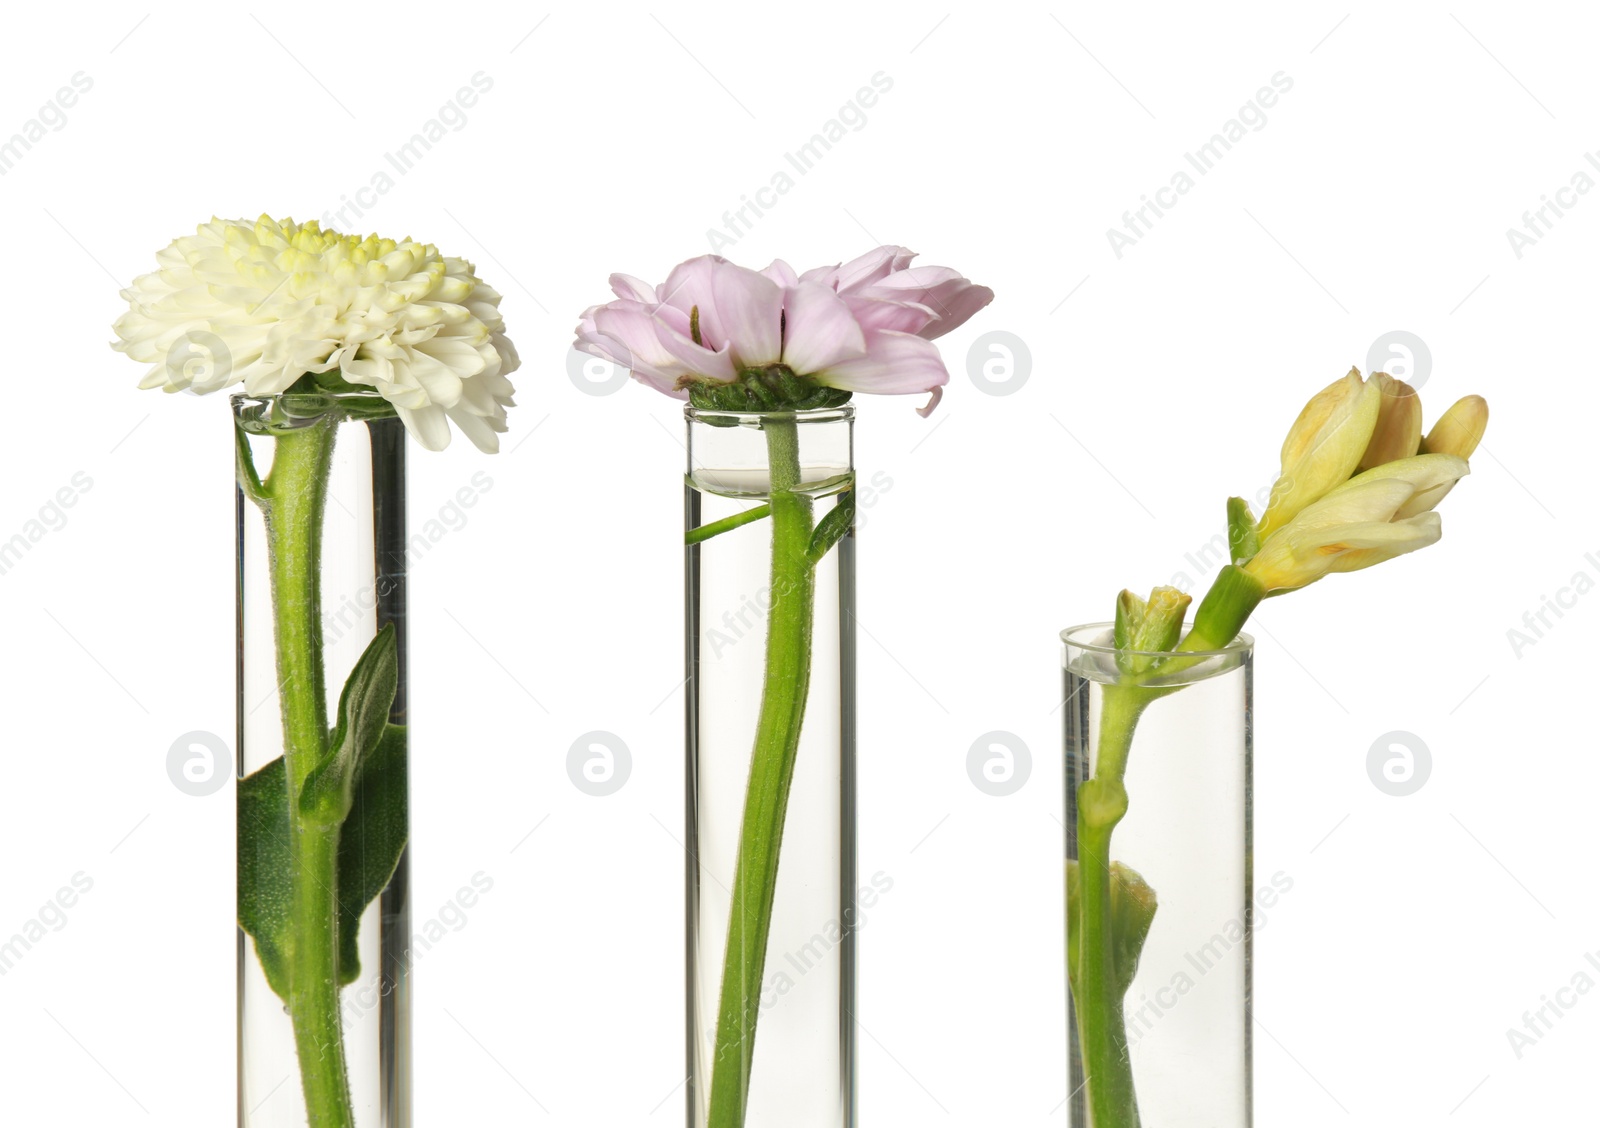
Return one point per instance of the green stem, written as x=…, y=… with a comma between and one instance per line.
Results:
x=1097, y=994
x=297, y=491
x=783, y=703
x=706, y=532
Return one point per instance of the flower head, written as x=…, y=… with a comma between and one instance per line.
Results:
x=1320, y=519
x=272, y=301
x=1356, y=424
x=727, y=336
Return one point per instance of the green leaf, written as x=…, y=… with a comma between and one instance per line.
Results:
x=364, y=707
x=834, y=524
x=371, y=840
x=717, y=528
x=244, y=461
x=266, y=898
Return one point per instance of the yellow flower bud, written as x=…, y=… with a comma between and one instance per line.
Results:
x=1324, y=447
x=1399, y=429
x=1457, y=432
x=1460, y=429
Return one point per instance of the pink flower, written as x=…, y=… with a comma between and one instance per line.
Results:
x=860, y=326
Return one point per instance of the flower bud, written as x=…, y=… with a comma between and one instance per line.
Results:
x=1132, y=911
x=1399, y=428
x=1145, y=628
x=1324, y=447
x=1457, y=432
x=1460, y=429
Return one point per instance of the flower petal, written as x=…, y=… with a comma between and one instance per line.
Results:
x=749, y=309
x=628, y=287
x=1385, y=542
x=863, y=270
x=689, y=287
x=942, y=289
x=819, y=329
x=782, y=273
x=882, y=313
x=429, y=425
x=630, y=339
x=695, y=360
x=894, y=364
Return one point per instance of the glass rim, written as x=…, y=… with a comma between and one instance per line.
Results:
x=241, y=398
x=1242, y=644
x=842, y=413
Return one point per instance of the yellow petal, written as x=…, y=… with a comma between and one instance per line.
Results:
x=1394, y=539
x=1399, y=429
x=1323, y=447
x=1431, y=477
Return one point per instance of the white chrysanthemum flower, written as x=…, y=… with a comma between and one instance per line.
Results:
x=272, y=300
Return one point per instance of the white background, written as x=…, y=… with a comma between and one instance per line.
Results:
x=1376, y=197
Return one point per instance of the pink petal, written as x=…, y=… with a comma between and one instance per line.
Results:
x=894, y=364
x=873, y=266
x=628, y=337
x=633, y=289
x=863, y=270
x=827, y=275
x=955, y=305
x=951, y=296
x=820, y=329
x=695, y=359
x=690, y=286
x=782, y=273
x=749, y=309
x=880, y=313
